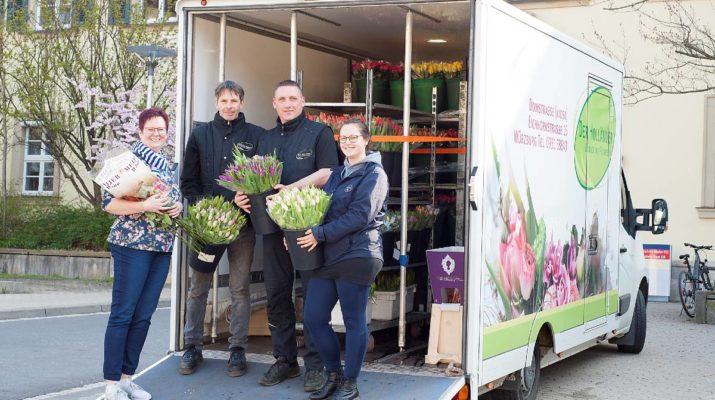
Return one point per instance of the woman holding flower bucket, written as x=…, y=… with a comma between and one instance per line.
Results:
x=141, y=254
x=353, y=257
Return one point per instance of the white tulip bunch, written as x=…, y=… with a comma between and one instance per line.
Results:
x=302, y=208
x=212, y=221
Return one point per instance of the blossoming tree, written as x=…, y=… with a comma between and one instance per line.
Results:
x=77, y=80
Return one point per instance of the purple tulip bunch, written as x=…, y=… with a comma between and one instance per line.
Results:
x=254, y=175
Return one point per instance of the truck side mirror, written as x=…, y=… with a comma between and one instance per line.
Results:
x=659, y=211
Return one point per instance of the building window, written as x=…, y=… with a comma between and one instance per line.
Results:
x=38, y=177
x=49, y=10
x=16, y=12
x=120, y=11
x=159, y=10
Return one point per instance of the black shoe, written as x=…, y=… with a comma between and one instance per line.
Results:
x=190, y=360
x=281, y=370
x=314, y=380
x=329, y=387
x=347, y=390
x=237, y=362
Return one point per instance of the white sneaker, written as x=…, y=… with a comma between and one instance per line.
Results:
x=134, y=391
x=113, y=392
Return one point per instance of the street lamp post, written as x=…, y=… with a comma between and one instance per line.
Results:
x=151, y=54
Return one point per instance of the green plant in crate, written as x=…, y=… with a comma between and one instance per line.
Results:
x=390, y=281
x=299, y=208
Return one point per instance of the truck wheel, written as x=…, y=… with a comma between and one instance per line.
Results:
x=639, y=324
x=527, y=382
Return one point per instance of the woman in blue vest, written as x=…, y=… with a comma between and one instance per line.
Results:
x=353, y=257
x=141, y=254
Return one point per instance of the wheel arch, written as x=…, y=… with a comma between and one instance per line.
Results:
x=643, y=287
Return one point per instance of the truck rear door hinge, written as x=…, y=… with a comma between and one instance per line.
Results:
x=472, y=189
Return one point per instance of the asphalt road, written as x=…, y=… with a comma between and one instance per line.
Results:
x=47, y=355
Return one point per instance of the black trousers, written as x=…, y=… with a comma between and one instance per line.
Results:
x=278, y=276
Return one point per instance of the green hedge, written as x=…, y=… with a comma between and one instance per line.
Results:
x=44, y=225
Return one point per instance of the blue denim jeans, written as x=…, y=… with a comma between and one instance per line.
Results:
x=139, y=276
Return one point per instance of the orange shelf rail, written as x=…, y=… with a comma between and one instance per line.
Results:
x=411, y=139
x=448, y=150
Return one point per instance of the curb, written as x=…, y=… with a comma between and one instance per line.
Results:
x=59, y=311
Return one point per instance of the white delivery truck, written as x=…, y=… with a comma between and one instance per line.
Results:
x=552, y=262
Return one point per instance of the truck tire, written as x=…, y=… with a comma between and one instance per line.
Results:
x=527, y=382
x=639, y=324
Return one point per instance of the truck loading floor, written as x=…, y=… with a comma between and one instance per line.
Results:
x=210, y=381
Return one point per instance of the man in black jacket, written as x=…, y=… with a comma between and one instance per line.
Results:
x=308, y=152
x=208, y=153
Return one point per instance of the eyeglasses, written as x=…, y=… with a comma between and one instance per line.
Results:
x=351, y=139
x=151, y=131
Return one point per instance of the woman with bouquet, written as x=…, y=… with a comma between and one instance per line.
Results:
x=353, y=257
x=141, y=253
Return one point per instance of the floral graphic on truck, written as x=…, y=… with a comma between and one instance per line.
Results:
x=532, y=266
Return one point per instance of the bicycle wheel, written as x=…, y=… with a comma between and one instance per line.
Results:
x=686, y=289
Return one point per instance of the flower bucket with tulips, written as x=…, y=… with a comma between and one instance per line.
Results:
x=453, y=75
x=426, y=76
x=419, y=226
x=255, y=177
x=380, y=80
x=397, y=86
x=295, y=210
x=210, y=225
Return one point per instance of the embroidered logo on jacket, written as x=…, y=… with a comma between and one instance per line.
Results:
x=303, y=154
x=244, y=146
x=349, y=188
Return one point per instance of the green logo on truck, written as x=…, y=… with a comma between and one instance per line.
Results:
x=595, y=134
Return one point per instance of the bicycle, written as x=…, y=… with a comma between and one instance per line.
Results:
x=694, y=279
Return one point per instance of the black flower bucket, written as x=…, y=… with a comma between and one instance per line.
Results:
x=303, y=260
x=207, y=259
x=418, y=245
x=388, y=247
x=392, y=164
x=261, y=221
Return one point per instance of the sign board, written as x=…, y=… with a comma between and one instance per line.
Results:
x=657, y=260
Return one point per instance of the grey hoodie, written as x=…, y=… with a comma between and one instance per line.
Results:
x=373, y=157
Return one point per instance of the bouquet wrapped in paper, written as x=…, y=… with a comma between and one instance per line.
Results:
x=256, y=177
x=126, y=176
x=295, y=211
